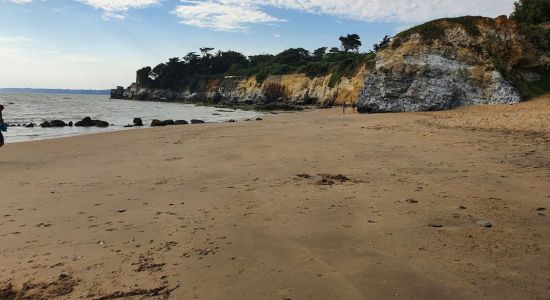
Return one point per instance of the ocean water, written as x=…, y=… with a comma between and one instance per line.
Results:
x=36, y=108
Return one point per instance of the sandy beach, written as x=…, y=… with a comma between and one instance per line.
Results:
x=308, y=205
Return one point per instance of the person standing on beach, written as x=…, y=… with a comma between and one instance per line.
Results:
x=3, y=126
x=353, y=106
x=344, y=106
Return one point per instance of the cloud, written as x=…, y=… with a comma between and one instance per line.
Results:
x=20, y=1
x=15, y=39
x=223, y=15
x=233, y=15
x=116, y=9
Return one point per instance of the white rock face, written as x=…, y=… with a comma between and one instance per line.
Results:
x=430, y=81
x=459, y=67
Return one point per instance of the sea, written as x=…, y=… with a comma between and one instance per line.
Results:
x=36, y=108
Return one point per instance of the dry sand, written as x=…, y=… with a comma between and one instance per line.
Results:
x=254, y=210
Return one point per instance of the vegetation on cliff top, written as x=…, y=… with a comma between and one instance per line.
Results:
x=178, y=72
x=531, y=12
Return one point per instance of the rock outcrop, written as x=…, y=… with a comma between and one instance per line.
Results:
x=88, y=122
x=159, y=123
x=438, y=65
x=276, y=91
x=455, y=62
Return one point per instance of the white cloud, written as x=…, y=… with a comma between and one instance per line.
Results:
x=231, y=15
x=116, y=9
x=20, y=1
x=222, y=15
x=14, y=39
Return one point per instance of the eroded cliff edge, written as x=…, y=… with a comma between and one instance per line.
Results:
x=454, y=62
x=275, y=90
x=435, y=66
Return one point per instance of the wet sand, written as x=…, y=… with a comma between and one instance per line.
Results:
x=427, y=207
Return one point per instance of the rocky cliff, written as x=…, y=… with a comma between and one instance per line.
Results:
x=292, y=89
x=453, y=62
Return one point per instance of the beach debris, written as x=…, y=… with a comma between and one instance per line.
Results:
x=163, y=291
x=195, y=121
x=62, y=286
x=539, y=209
x=411, y=200
x=435, y=225
x=101, y=243
x=462, y=207
x=259, y=119
x=327, y=179
x=205, y=251
x=121, y=210
x=484, y=223
x=146, y=263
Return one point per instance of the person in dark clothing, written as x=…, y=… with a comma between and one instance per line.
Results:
x=353, y=106
x=344, y=106
x=2, y=126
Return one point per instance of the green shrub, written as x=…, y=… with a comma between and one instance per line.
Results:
x=262, y=76
x=531, y=11
x=435, y=30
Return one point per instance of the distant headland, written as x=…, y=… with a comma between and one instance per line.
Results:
x=53, y=91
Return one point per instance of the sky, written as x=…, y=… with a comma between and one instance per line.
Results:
x=99, y=44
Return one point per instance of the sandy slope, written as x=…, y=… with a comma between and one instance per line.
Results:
x=531, y=116
x=218, y=211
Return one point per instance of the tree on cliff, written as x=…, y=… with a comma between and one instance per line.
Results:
x=143, y=76
x=351, y=42
x=206, y=51
x=194, y=67
x=190, y=57
x=385, y=42
x=293, y=57
x=531, y=11
x=320, y=53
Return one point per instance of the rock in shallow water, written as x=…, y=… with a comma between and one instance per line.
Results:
x=88, y=122
x=158, y=123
